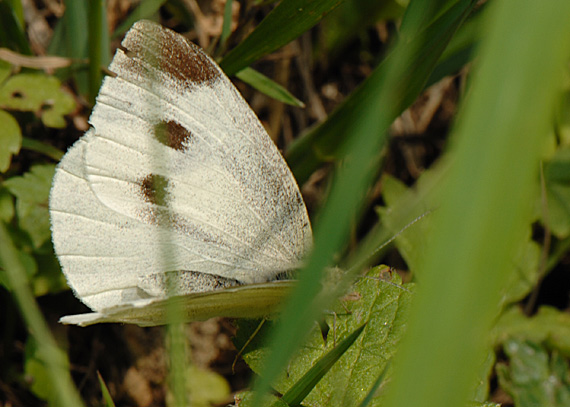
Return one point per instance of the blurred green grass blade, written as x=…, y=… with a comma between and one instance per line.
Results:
x=70, y=38
x=176, y=340
x=421, y=14
x=326, y=142
x=17, y=9
x=268, y=87
x=145, y=9
x=486, y=201
x=105, y=392
x=367, y=128
x=286, y=22
x=351, y=19
x=98, y=50
x=226, y=27
x=12, y=34
x=48, y=351
x=303, y=387
x=460, y=49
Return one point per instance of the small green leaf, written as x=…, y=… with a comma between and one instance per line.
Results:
x=557, y=180
x=32, y=193
x=7, y=209
x=548, y=325
x=39, y=94
x=10, y=139
x=533, y=377
x=206, y=388
x=5, y=70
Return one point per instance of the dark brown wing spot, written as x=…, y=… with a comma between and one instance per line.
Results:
x=171, y=53
x=185, y=61
x=154, y=189
x=173, y=135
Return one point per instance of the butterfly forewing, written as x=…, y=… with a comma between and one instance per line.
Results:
x=174, y=151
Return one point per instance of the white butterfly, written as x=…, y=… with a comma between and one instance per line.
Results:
x=175, y=162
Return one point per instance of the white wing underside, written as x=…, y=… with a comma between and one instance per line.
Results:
x=176, y=174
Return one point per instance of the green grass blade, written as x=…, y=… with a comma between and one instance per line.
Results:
x=226, y=27
x=98, y=49
x=367, y=128
x=286, y=22
x=327, y=141
x=265, y=85
x=486, y=201
x=105, y=391
x=12, y=34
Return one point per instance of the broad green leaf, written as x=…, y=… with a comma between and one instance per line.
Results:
x=10, y=139
x=39, y=94
x=533, y=377
x=380, y=304
x=297, y=393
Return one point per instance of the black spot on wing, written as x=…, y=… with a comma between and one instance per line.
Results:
x=173, y=135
